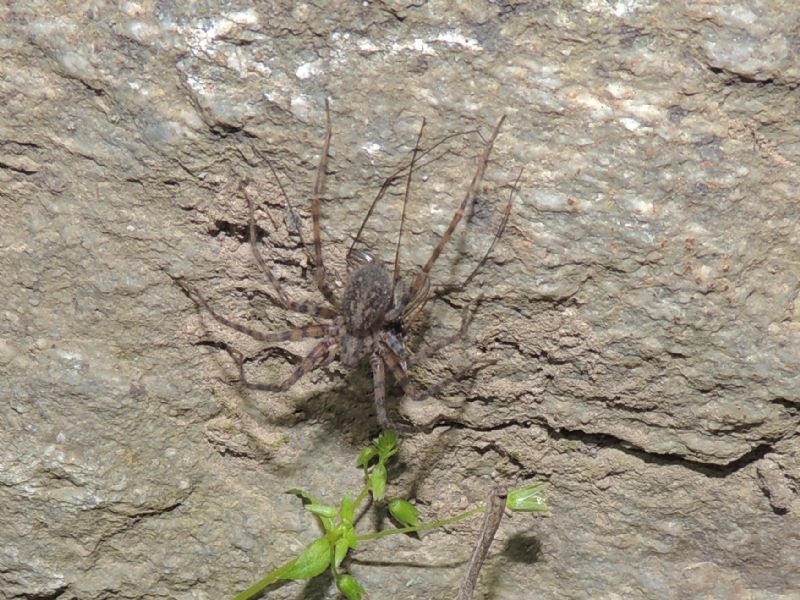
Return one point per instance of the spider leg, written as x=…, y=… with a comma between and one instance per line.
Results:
x=396, y=345
x=319, y=268
x=401, y=375
x=299, y=307
x=322, y=354
x=379, y=398
x=429, y=350
x=418, y=302
x=503, y=223
x=397, y=175
x=419, y=282
x=402, y=378
x=396, y=276
x=294, y=334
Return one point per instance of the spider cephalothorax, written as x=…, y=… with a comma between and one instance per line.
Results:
x=371, y=317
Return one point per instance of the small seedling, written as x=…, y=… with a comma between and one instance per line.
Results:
x=339, y=524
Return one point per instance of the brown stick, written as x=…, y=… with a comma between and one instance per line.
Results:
x=495, y=506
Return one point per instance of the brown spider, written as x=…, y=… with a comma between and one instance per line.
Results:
x=376, y=307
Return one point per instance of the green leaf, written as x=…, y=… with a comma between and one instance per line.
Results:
x=351, y=537
x=377, y=481
x=350, y=587
x=367, y=454
x=340, y=550
x=528, y=499
x=309, y=500
x=386, y=445
x=405, y=512
x=323, y=510
x=313, y=561
x=347, y=510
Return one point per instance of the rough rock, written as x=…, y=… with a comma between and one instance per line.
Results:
x=643, y=304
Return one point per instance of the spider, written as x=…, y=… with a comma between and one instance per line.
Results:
x=372, y=317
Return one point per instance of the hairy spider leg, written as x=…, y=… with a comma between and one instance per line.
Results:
x=419, y=282
x=503, y=223
x=398, y=174
x=307, y=308
x=289, y=335
x=321, y=355
x=292, y=212
x=379, y=397
x=396, y=276
x=401, y=377
x=387, y=183
x=319, y=268
x=399, y=363
x=459, y=286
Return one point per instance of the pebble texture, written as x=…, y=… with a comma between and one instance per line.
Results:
x=643, y=304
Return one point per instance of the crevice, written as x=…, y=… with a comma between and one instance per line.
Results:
x=131, y=519
x=790, y=406
x=96, y=90
x=604, y=440
x=240, y=231
x=45, y=595
x=734, y=77
x=223, y=130
x=134, y=518
x=270, y=352
x=17, y=169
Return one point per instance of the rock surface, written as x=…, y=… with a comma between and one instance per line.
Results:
x=643, y=304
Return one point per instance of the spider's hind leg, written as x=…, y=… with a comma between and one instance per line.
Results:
x=410, y=392
x=379, y=398
x=323, y=354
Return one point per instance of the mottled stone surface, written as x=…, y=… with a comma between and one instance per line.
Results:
x=643, y=304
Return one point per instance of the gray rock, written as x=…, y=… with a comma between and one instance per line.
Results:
x=643, y=303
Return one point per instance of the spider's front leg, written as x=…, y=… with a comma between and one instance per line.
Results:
x=419, y=282
x=320, y=276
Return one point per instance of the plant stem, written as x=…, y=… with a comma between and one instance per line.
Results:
x=423, y=527
x=361, y=495
x=264, y=583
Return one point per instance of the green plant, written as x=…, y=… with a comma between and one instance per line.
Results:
x=339, y=523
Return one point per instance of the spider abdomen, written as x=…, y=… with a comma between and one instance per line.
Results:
x=367, y=298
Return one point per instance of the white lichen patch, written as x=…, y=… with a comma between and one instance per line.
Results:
x=459, y=39
x=630, y=124
x=307, y=70
x=371, y=148
x=621, y=8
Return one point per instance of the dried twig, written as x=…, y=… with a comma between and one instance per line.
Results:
x=495, y=506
